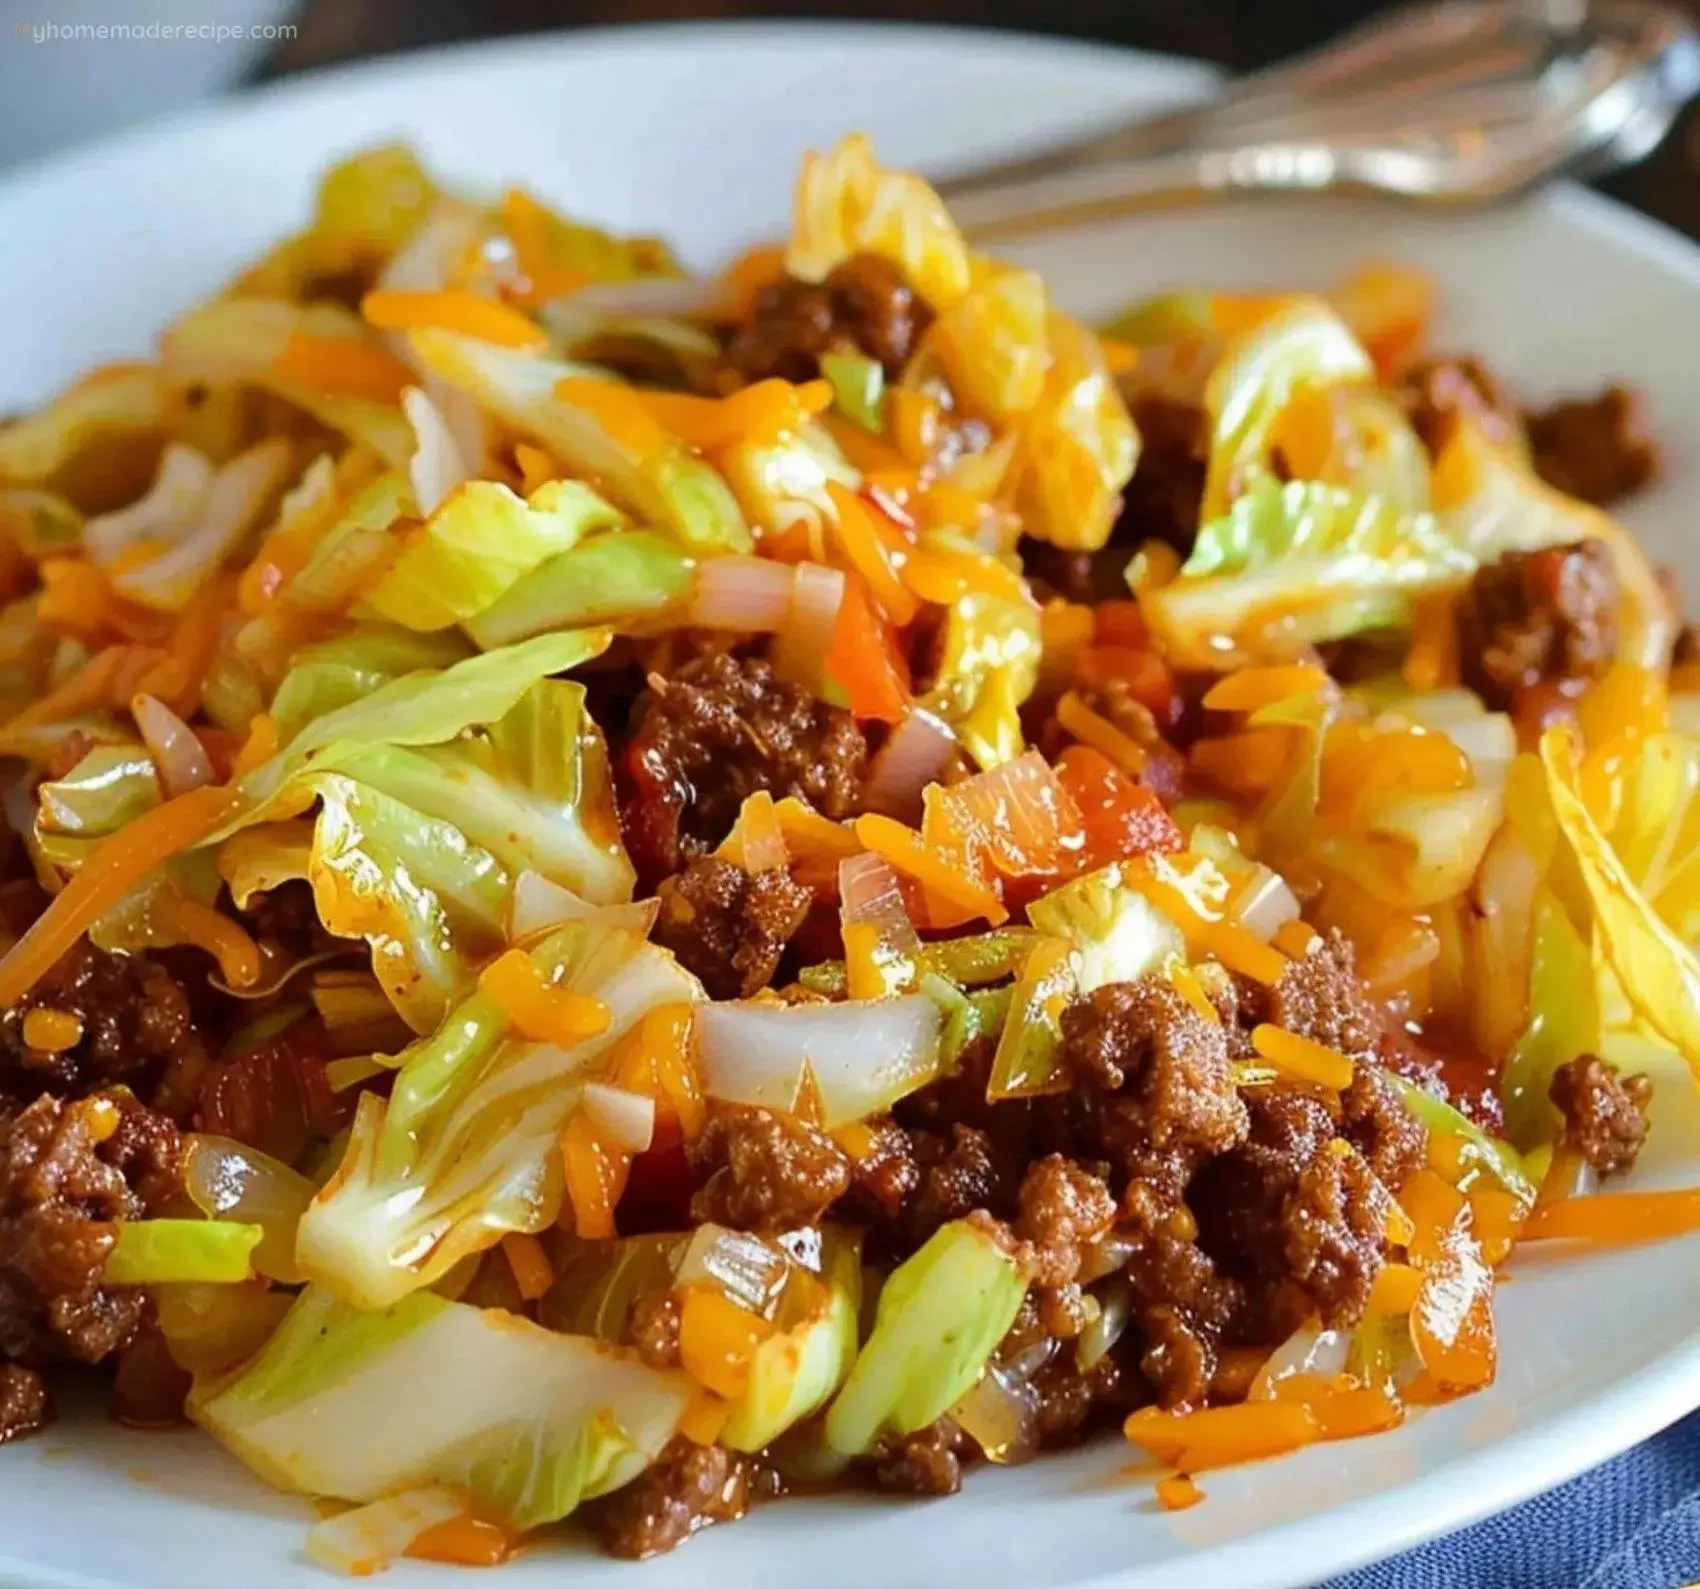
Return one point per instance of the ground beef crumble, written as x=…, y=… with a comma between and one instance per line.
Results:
x=685, y=1490
x=1318, y=996
x=1294, y=1206
x=24, y=1403
x=653, y=1328
x=1534, y=618
x=68, y=1172
x=1436, y=392
x=721, y=728
x=1595, y=448
x=1376, y=1121
x=1158, y=1086
x=863, y=306
x=1063, y=1210
x=764, y=1170
x=133, y=1016
x=1157, y=1101
x=927, y=1462
x=1333, y=1232
x=1605, y=1114
x=729, y=927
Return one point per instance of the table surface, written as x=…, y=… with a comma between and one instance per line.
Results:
x=1239, y=36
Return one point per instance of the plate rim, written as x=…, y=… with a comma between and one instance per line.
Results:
x=1371, y=1528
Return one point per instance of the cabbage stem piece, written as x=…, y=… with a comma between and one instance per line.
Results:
x=358, y=1406
x=940, y=1316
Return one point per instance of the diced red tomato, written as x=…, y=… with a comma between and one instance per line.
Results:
x=1122, y=819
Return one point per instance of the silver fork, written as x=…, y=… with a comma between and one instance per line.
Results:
x=1459, y=102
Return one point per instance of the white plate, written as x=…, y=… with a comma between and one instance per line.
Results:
x=696, y=132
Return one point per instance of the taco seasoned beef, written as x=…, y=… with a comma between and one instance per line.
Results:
x=815, y=877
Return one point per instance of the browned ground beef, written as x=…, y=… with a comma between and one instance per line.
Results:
x=1063, y=1209
x=1605, y=1114
x=1333, y=1232
x=1158, y=1093
x=721, y=728
x=1375, y=1120
x=1595, y=448
x=1185, y=1305
x=882, y=1177
x=1162, y=499
x=864, y=306
x=1320, y=997
x=1156, y=1100
x=134, y=1018
x=63, y=1183
x=928, y=1462
x=24, y=1404
x=958, y=1172
x=685, y=1490
x=1436, y=391
x=728, y=926
x=1288, y=1208
x=765, y=1171
x=1536, y=618
x=654, y=1329
x=148, y=1388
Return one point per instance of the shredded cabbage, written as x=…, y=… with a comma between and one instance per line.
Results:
x=357, y=1406
x=1658, y=972
x=1291, y=564
x=940, y=1316
x=467, y=1146
x=159, y=1251
x=480, y=543
x=662, y=485
x=989, y=666
x=632, y=580
x=848, y=204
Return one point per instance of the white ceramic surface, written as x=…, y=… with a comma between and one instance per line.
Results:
x=696, y=132
x=62, y=79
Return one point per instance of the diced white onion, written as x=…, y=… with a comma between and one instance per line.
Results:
x=748, y=1270
x=627, y=1119
x=1115, y=1308
x=868, y=892
x=369, y=1538
x=1266, y=905
x=920, y=748
x=1307, y=1350
x=228, y=509
x=648, y=295
x=178, y=755
x=806, y=635
x=173, y=502
x=750, y=595
x=1002, y=1415
x=436, y=467
x=863, y=1055
x=229, y=1180
x=1490, y=741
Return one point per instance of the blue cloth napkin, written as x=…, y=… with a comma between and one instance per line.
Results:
x=1633, y=1523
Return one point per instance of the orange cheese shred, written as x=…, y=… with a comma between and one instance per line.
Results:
x=107, y=876
x=1303, y=1058
x=453, y=309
